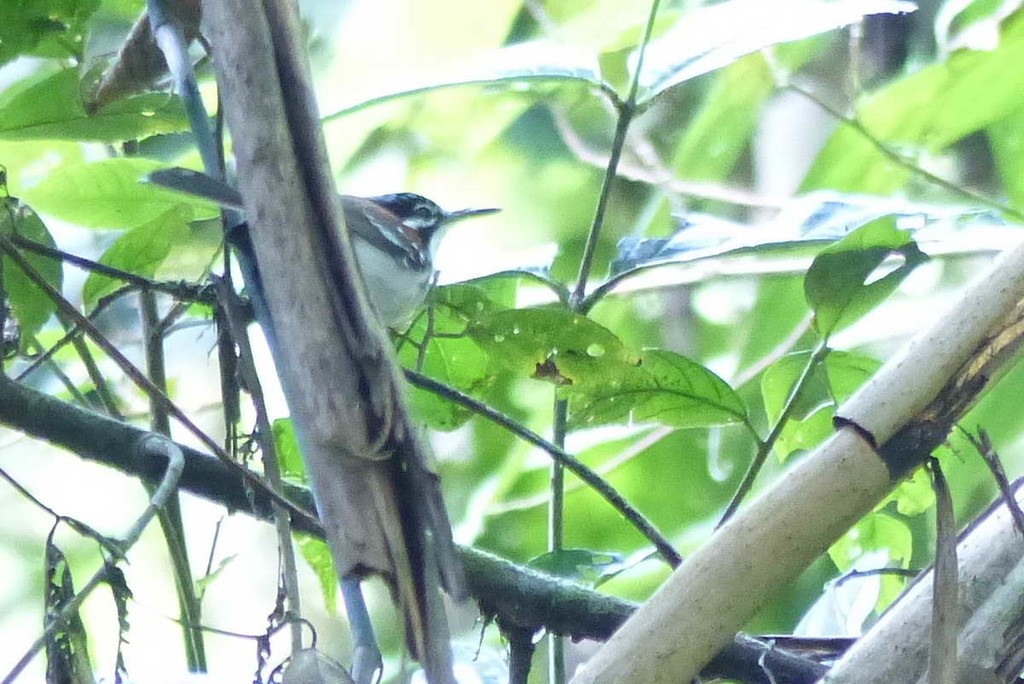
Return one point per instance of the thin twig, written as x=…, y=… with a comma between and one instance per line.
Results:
x=137, y=376
x=765, y=447
x=168, y=486
x=983, y=444
x=898, y=159
x=603, y=489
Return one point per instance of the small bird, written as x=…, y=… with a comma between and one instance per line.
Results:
x=395, y=238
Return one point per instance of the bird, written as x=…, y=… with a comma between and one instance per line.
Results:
x=395, y=238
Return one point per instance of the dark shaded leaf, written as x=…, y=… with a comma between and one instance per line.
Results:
x=579, y=565
x=30, y=305
x=46, y=28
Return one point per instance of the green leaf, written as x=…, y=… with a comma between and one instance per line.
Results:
x=108, y=194
x=53, y=28
x=914, y=495
x=454, y=359
x=876, y=531
x=289, y=456
x=841, y=286
x=140, y=251
x=549, y=344
x=318, y=556
x=660, y=387
x=30, y=305
x=810, y=421
x=931, y=109
x=49, y=106
x=578, y=565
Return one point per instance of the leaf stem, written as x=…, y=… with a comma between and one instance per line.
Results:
x=765, y=447
x=572, y=464
x=626, y=110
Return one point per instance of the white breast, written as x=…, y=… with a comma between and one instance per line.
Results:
x=395, y=292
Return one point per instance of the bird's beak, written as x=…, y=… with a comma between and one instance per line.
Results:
x=453, y=216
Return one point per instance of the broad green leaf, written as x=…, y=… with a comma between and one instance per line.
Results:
x=930, y=109
x=454, y=359
x=30, y=305
x=841, y=284
x=52, y=28
x=458, y=362
x=578, y=565
x=549, y=344
x=718, y=35
x=477, y=298
x=108, y=194
x=49, y=106
x=660, y=387
x=318, y=556
x=140, y=251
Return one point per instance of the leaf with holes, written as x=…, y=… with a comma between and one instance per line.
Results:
x=848, y=279
x=550, y=344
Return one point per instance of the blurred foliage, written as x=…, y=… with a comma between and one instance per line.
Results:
x=714, y=277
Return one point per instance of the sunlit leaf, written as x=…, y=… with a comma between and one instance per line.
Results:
x=140, y=251
x=108, y=194
x=289, y=456
x=800, y=229
x=660, y=387
x=49, y=106
x=929, y=109
x=842, y=283
x=318, y=556
x=971, y=26
x=516, y=67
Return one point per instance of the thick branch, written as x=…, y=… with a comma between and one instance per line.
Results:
x=518, y=598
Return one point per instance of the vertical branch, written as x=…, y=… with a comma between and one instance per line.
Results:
x=171, y=522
